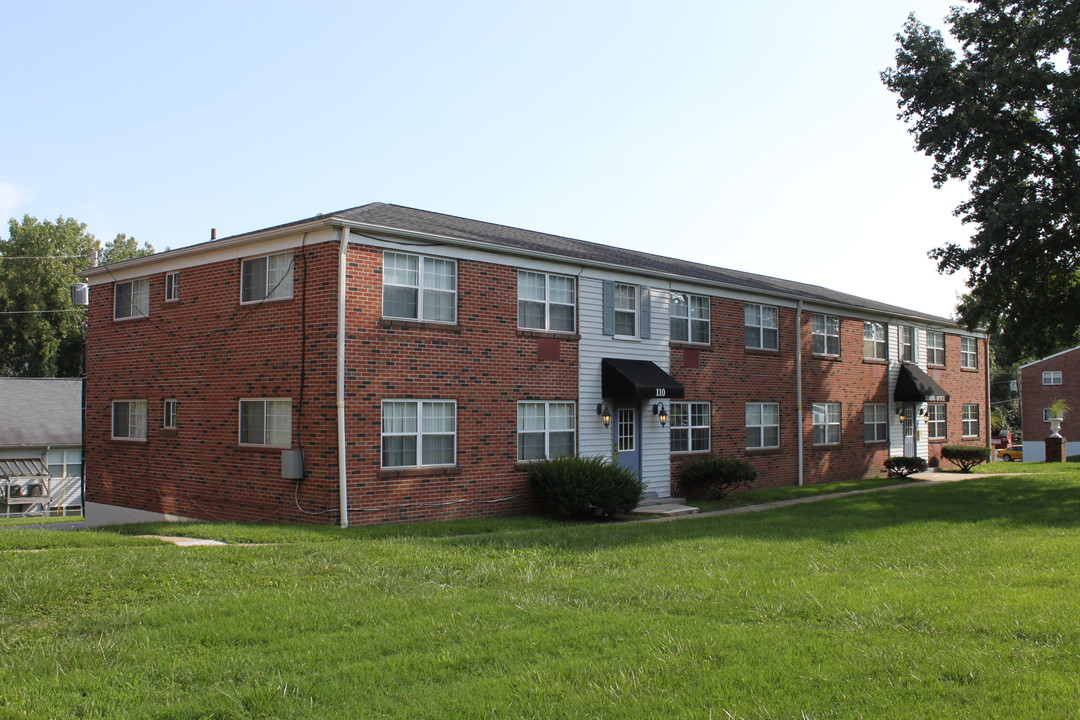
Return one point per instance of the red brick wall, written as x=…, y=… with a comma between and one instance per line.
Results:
x=965, y=387
x=1035, y=396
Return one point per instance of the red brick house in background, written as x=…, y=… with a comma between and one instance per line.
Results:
x=419, y=361
x=1041, y=383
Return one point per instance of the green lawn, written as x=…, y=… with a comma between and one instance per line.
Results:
x=954, y=600
x=34, y=520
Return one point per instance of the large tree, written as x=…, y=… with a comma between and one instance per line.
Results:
x=41, y=333
x=1002, y=112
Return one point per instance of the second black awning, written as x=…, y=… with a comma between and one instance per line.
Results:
x=914, y=385
x=637, y=379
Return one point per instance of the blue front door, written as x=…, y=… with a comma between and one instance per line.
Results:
x=627, y=438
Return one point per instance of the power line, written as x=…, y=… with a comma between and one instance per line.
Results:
x=31, y=312
x=41, y=257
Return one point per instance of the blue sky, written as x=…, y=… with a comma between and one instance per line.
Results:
x=755, y=136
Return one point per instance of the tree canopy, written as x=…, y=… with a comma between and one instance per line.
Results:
x=1003, y=114
x=41, y=334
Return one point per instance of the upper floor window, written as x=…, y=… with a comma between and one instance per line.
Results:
x=935, y=422
x=935, y=347
x=826, y=421
x=689, y=427
x=418, y=433
x=131, y=299
x=168, y=416
x=546, y=302
x=689, y=318
x=875, y=422
x=762, y=425
x=969, y=357
x=172, y=286
x=129, y=419
x=626, y=299
x=1051, y=377
x=907, y=343
x=266, y=278
x=266, y=421
x=825, y=334
x=762, y=322
x=417, y=287
x=969, y=418
x=545, y=430
x=875, y=342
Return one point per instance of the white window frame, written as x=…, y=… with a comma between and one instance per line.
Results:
x=935, y=347
x=626, y=301
x=1047, y=414
x=422, y=287
x=1051, y=377
x=875, y=340
x=969, y=356
x=547, y=302
x=760, y=320
x=168, y=413
x=135, y=299
x=906, y=336
x=66, y=459
x=690, y=318
x=825, y=335
x=265, y=437
x=418, y=433
x=684, y=418
x=825, y=419
x=172, y=286
x=275, y=288
x=933, y=410
x=546, y=431
x=969, y=420
x=875, y=422
x=135, y=413
x=761, y=426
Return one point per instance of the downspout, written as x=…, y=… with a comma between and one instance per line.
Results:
x=798, y=389
x=343, y=473
x=987, y=425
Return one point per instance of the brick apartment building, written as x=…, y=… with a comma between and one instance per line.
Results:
x=1041, y=383
x=461, y=350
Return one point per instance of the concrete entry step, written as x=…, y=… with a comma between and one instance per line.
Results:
x=668, y=509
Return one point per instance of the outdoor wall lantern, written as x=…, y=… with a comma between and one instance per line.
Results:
x=604, y=412
x=659, y=409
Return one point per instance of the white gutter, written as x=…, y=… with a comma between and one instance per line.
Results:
x=798, y=389
x=343, y=471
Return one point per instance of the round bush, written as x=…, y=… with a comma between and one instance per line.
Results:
x=711, y=477
x=966, y=456
x=900, y=467
x=576, y=486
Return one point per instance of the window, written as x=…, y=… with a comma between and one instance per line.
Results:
x=418, y=433
x=969, y=417
x=1051, y=377
x=129, y=419
x=266, y=278
x=417, y=287
x=545, y=430
x=626, y=310
x=875, y=422
x=689, y=318
x=761, y=327
x=169, y=415
x=825, y=334
x=826, y=419
x=762, y=425
x=935, y=347
x=172, y=286
x=65, y=463
x=907, y=343
x=969, y=358
x=689, y=426
x=935, y=422
x=875, y=345
x=1047, y=414
x=131, y=299
x=266, y=422
x=546, y=302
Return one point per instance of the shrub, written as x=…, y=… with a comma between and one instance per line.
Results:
x=574, y=486
x=901, y=467
x=966, y=456
x=712, y=476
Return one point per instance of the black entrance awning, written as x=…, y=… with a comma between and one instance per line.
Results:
x=914, y=385
x=637, y=379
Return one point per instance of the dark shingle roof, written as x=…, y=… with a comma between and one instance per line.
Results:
x=40, y=411
x=411, y=219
